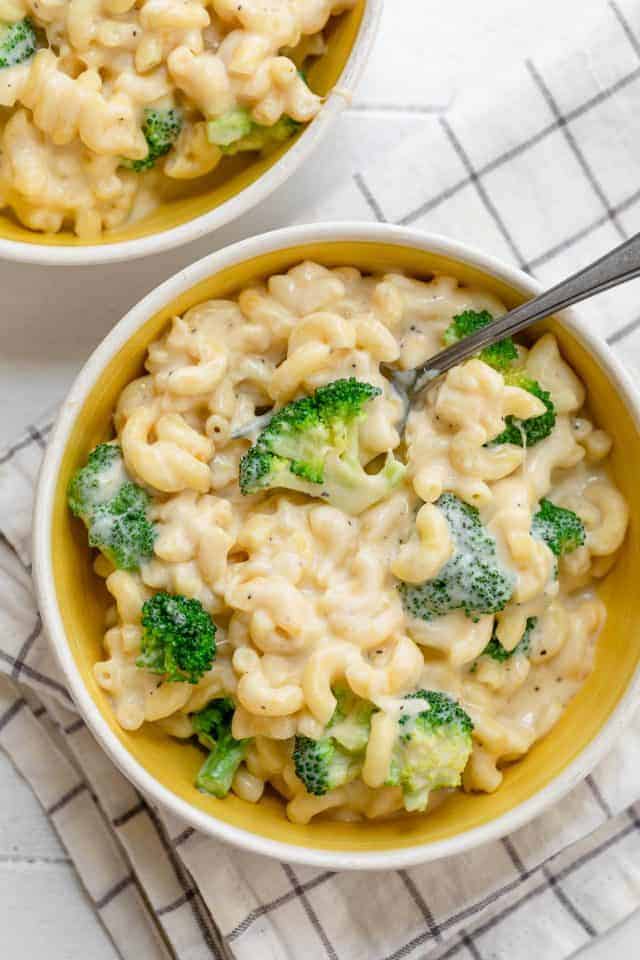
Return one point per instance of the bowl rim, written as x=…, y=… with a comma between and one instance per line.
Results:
x=245, y=200
x=247, y=249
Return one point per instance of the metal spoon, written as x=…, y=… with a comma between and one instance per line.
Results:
x=617, y=266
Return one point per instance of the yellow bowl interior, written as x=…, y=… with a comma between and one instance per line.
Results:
x=82, y=597
x=232, y=176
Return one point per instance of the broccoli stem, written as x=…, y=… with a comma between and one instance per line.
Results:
x=217, y=772
x=236, y=132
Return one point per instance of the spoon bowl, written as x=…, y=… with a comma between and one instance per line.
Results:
x=73, y=605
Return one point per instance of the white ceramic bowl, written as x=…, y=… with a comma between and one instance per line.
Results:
x=43, y=250
x=333, y=242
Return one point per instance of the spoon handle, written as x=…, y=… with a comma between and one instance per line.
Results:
x=617, y=266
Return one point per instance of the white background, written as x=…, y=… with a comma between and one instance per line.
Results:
x=51, y=319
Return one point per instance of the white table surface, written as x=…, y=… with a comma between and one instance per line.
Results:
x=51, y=320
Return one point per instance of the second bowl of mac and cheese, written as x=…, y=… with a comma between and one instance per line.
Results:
x=132, y=127
x=304, y=630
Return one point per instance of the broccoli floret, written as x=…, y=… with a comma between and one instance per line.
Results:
x=526, y=433
x=17, y=42
x=337, y=757
x=311, y=446
x=322, y=765
x=499, y=355
x=161, y=128
x=432, y=746
x=178, y=638
x=496, y=651
x=236, y=132
x=113, y=508
x=98, y=481
x=213, y=729
x=472, y=580
x=562, y=530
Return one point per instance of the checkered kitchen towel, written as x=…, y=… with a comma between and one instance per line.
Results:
x=542, y=171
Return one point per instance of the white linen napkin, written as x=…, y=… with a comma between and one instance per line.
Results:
x=542, y=170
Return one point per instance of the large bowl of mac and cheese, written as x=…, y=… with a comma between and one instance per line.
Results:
x=311, y=634
x=132, y=126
